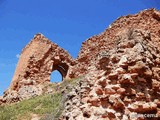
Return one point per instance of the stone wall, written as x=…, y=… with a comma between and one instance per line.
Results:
x=121, y=68
x=148, y=20
x=36, y=63
x=123, y=83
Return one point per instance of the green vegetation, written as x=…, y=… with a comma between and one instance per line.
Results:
x=47, y=104
x=71, y=82
x=48, y=107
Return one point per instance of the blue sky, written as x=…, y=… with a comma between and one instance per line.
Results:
x=66, y=22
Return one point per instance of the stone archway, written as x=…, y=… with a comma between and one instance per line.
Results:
x=38, y=60
x=62, y=68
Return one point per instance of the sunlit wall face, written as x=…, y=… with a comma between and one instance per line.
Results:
x=67, y=24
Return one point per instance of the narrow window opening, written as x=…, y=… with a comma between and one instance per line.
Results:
x=56, y=76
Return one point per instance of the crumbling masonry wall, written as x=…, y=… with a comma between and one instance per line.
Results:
x=121, y=68
x=36, y=63
x=38, y=59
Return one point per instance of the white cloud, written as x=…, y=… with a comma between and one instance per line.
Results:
x=18, y=56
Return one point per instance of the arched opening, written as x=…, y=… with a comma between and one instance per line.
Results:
x=56, y=76
x=62, y=68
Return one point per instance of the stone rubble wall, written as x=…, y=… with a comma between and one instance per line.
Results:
x=148, y=20
x=121, y=68
x=124, y=82
x=36, y=63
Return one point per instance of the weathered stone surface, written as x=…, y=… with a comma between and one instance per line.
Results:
x=108, y=39
x=121, y=69
x=127, y=77
x=36, y=63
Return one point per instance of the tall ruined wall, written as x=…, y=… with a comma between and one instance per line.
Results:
x=39, y=58
x=36, y=63
x=148, y=20
x=122, y=72
x=121, y=69
x=124, y=82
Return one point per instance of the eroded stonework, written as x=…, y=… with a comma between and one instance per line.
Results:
x=123, y=83
x=148, y=20
x=121, y=69
x=36, y=63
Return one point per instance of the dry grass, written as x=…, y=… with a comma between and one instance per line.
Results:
x=48, y=107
